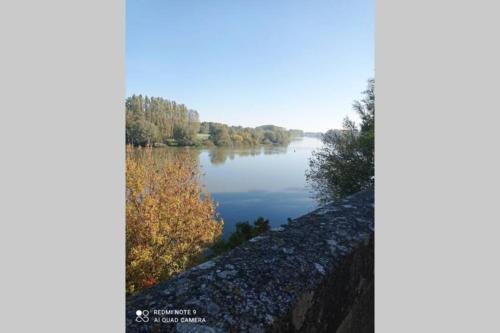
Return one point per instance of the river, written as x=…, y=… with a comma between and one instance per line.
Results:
x=267, y=181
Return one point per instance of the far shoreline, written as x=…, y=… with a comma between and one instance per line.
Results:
x=205, y=145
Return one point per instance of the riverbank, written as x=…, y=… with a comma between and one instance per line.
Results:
x=205, y=143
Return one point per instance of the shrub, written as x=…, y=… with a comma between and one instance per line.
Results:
x=169, y=219
x=244, y=231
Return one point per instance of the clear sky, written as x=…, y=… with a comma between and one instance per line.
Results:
x=296, y=64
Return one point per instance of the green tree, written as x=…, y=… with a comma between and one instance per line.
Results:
x=219, y=135
x=345, y=163
x=152, y=120
x=204, y=128
x=141, y=132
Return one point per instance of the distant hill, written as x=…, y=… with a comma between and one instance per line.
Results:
x=313, y=134
x=271, y=128
x=296, y=133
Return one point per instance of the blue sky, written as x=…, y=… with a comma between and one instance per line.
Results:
x=296, y=64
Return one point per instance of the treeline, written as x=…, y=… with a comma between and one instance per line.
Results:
x=224, y=135
x=155, y=121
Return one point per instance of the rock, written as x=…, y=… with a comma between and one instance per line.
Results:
x=319, y=268
x=282, y=281
x=225, y=274
x=205, y=265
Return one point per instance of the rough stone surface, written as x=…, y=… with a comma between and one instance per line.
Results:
x=313, y=275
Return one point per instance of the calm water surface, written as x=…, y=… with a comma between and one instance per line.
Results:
x=267, y=181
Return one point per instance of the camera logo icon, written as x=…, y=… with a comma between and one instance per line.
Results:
x=142, y=316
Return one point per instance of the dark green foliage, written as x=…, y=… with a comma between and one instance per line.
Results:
x=219, y=135
x=244, y=232
x=224, y=135
x=345, y=164
x=204, y=128
x=184, y=136
x=140, y=132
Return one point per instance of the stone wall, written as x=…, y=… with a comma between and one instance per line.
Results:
x=313, y=275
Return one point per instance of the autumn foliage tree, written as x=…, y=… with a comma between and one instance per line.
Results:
x=169, y=219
